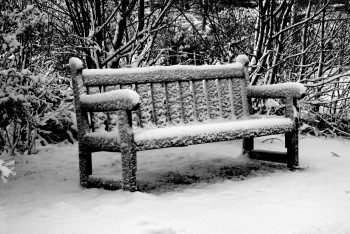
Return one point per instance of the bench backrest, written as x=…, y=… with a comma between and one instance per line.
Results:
x=178, y=94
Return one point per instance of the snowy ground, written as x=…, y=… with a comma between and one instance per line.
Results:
x=45, y=196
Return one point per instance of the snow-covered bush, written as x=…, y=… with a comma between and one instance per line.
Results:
x=6, y=169
x=34, y=107
x=32, y=99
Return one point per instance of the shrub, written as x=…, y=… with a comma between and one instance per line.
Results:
x=6, y=169
x=35, y=103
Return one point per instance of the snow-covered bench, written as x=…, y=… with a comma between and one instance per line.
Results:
x=160, y=107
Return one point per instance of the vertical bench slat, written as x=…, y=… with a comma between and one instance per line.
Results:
x=91, y=90
x=154, y=120
x=144, y=90
x=214, y=109
x=108, y=117
x=231, y=99
x=217, y=82
x=159, y=104
x=173, y=102
x=236, y=89
x=244, y=99
x=182, y=119
x=187, y=101
x=225, y=99
x=137, y=113
x=200, y=100
x=206, y=98
x=168, y=119
x=101, y=89
x=194, y=106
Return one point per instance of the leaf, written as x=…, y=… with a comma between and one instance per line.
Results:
x=270, y=103
x=304, y=127
x=34, y=78
x=4, y=73
x=4, y=99
x=2, y=94
x=73, y=118
x=26, y=72
x=42, y=79
x=29, y=8
x=10, y=163
x=27, y=104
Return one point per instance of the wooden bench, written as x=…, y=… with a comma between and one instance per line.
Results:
x=181, y=105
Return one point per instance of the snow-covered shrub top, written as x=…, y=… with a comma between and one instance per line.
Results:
x=6, y=169
x=289, y=89
x=160, y=74
x=34, y=99
x=15, y=23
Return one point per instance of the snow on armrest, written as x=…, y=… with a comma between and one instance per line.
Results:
x=290, y=89
x=113, y=100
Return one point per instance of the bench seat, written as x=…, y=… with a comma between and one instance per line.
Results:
x=155, y=138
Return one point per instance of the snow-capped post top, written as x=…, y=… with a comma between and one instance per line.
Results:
x=76, y=63
x=243, y=59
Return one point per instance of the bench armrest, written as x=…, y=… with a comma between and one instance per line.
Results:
x=125, y=99
x=284, y=90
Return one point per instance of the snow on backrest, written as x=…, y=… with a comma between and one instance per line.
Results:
x=176, y=94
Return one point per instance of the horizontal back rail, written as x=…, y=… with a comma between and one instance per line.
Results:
x=156, y=74
x=178, y=94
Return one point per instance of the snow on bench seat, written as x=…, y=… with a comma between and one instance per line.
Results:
x=147, y=139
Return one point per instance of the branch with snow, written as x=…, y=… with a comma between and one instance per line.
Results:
x=6, y=169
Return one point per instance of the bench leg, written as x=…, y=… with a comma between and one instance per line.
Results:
x=248, y=146
x=128, y=151
x=85, y=164
x=292, y=145
x=292, y=137
x=129, y=170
